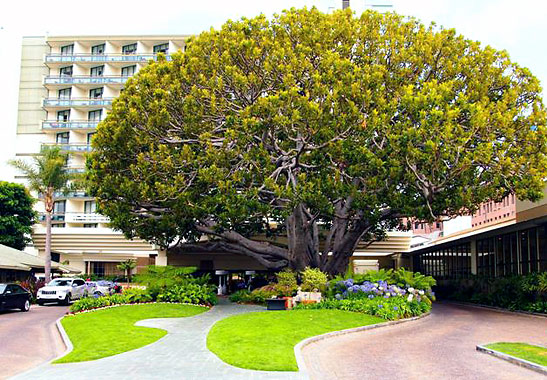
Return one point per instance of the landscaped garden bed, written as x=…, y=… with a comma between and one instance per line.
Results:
x=516, y=293
x=112, y=331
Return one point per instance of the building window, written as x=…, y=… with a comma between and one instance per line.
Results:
x=161, y=48
x=64, y=93
x=62, y=138
x=96, y=93
x=90, y=137
x=90, y=207
x=63, y=115
x=129, y=49
x=58, y=225
x=90, y=225
x=98, y=268
x=95, y=115
x=67, y=49
x=65, y=71
x=97, y=71
x=59, y=207
x=128, y=70
x=98, y=49
x=416, y=226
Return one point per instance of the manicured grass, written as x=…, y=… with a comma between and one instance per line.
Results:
x=534, y=354
x=266, y=340
x=111, y=331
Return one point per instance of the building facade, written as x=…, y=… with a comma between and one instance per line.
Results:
x=66, y=88
x=506, y=238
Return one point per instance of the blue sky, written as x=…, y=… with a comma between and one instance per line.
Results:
x=520, y=27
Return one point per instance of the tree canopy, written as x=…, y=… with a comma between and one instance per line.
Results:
x=291, y=139
x=16, y=215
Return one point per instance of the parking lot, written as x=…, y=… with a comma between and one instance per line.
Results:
x=29, y=339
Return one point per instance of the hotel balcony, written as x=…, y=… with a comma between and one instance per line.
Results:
x=71, y=148
x=82, y=217
x=71, y=194
x=76, y=217
x=76, y=170
x=59, y=81
x=50, y=103
x=78, y=125
x=52, y=59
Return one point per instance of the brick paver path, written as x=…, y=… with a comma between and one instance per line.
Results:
x=441, y=346
x=181, y=354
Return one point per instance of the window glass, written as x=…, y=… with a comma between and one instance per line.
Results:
x=67, y=50
x=62, y=138
x=128, y=70
x=90, y=207
x=59, y=207
x=161, y=48
x=95, y=115
x=97, y=71
x=60, y=282
x=129, y=49
x=65, y=71
x=96, y=93
x=532, y=244
x=89, y=137
x=63, y=115
x=98, y=49
x=524, y=253
x=2, y=288
x=65, y=93
x=90, y=225
x=542, y=247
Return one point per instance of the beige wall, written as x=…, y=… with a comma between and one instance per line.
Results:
x=31, y=89
x=527, y=210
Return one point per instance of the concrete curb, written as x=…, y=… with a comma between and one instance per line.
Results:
x=65, y=338
x=513, y=359
x=498, y=309
x=301, y=363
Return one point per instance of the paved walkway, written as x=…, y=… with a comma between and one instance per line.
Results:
x=28, y=339
x=441, y=346
x=181, y=354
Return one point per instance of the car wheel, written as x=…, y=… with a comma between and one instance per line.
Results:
x=41, y=303
x=26, y=306
x=98, y=294
x=67, y=299
x=86, y=294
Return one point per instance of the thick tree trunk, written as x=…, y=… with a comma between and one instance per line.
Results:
x=303, y=239
x=47, y=258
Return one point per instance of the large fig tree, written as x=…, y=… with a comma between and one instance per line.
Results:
x=293, y=139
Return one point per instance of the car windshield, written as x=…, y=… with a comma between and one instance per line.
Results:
x=2, y=288
x=60, y=283
x=104, y=283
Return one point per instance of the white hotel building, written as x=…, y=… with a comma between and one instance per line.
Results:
x=66, y=87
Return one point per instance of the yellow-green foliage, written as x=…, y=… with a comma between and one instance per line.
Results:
x=313, y=279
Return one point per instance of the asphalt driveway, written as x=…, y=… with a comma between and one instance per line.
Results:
x=29, y=339
x=440, y=346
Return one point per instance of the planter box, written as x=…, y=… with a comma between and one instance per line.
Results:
x=276, y=304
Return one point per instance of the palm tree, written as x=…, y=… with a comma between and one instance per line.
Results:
x=126, y=266
x=46, y=175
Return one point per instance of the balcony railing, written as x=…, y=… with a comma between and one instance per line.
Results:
x=70, y=194
x=75, y=58
x=74, y=147
x=77, y=102
x=76, y=217
x=82, y=217
x=86, y=79
x=72, y=124
x=75, y=170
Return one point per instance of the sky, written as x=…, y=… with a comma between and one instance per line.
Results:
x=520, y=27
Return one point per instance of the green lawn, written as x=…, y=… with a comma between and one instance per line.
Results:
x=266, y=340
x=524, y=351
x=111, y=331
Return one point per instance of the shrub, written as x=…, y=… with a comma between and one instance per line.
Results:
x=32, y=285
x=286, y=278
x=312, y=279
x=136, y=295
x=189, y=293
x=159, y=279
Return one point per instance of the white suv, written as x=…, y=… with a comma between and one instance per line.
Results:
x=62, y=290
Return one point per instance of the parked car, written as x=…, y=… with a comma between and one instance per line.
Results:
x=13, y=296
x=91, y=287
x=104, y=288
x=62, y=291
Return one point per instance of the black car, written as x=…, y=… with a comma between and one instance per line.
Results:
x=13, y=296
